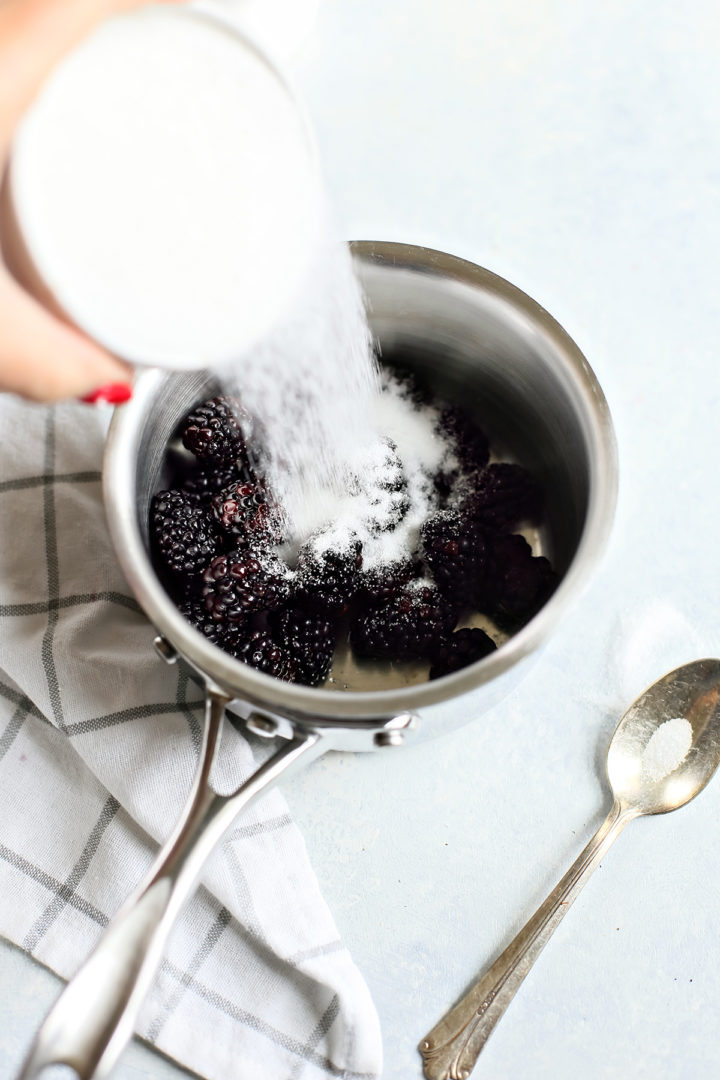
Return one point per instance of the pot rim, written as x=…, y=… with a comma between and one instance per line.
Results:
x=337, y=707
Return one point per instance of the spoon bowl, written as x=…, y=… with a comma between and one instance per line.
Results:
x=685, y=704
x=663, y=752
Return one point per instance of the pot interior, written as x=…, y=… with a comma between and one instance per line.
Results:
x=473, y=339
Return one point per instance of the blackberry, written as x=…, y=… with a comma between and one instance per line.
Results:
x=206, y=483
x=186, y=536
x=244, y=581
x=384, y=486
x=455, y=550
x=244, y=510
x=503, y=496
x=446, y=482
x=328, y=580
x=196, y=613
x=461, y=648
x=262, y=651
x=310, y=641
x=516, y=583
x=212, y=430
x=407, y=626
x=471, y=443
x=382, y=582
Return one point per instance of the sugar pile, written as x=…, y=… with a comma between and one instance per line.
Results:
x=667, y=748
x=388, y=496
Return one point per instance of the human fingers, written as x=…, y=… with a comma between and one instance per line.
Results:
x=44, y=359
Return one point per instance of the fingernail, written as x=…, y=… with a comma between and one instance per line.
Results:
x=112, y=394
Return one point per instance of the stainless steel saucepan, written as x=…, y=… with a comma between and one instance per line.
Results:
x=475, y=338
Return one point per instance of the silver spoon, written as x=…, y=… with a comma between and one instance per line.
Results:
x=664, y=750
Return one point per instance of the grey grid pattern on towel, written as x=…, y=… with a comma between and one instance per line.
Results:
x=98, y=741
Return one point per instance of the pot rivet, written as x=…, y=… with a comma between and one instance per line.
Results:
x=164, y=649
x=389, y=738
x=265, y=726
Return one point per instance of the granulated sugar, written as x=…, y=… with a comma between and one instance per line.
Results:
x=667, y=748
x=388, y=489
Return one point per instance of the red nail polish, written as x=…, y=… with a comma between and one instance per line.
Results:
x=113, y=394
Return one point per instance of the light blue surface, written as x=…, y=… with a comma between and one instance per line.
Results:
x=572, y=148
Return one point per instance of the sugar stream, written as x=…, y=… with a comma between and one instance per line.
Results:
x=334, y=434
x=311, y=386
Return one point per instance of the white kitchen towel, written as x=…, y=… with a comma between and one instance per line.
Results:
x=98, y=742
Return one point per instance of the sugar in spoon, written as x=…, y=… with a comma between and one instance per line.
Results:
x=664, y=750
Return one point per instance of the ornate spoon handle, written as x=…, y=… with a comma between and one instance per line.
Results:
x=451, y=1049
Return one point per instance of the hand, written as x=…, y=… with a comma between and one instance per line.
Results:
x=41, y=357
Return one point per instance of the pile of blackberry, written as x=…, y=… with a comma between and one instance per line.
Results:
x=216, y=534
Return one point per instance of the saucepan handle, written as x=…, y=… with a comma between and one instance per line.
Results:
x=95, y=1015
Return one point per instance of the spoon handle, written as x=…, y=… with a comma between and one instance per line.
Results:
x=451, y=1049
